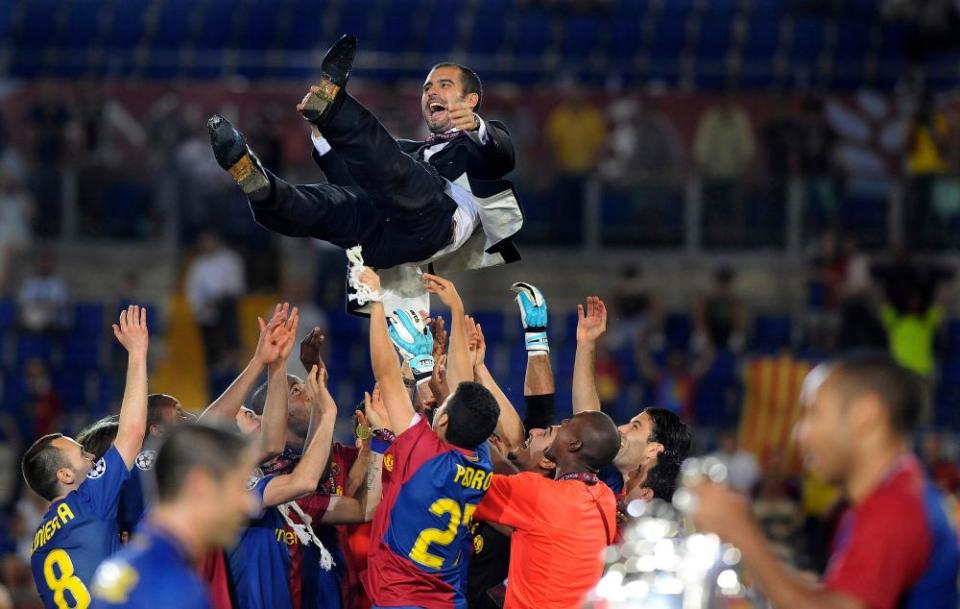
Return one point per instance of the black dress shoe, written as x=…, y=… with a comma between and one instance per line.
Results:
x=232, y=153
x=334, y=74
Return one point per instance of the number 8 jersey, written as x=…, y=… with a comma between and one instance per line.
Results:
x=77, y=533
x=420, y=540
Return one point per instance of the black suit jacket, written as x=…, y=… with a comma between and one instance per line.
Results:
x=490, y=161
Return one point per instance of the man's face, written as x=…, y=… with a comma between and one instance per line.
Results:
x=531, y=453
x=77, y=460
x=440, y=419
x=444, y=86
x=823, y=432
x=229, y=505
x=248, y=421
x=635, y=446
x=298, y=410
x=565, y=435
x=174, y=415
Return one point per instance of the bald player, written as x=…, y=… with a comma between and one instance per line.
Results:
x=895, y=547
x=560, y=525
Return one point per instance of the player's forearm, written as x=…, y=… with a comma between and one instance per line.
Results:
x=358, y=471
x=782, y=587
x=273, y=425
x=226, y=407
x=373, y=488
x=538, y=379
x=459, y=365
x=386, y=370
x=509, y=425
x=133, y=409
x=585, y=396
x=306, y=475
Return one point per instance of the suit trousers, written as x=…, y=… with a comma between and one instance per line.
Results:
x=398, y=211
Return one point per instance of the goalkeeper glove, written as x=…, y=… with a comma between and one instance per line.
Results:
x=533, y=314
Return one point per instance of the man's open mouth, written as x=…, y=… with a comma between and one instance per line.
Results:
x=436, y=110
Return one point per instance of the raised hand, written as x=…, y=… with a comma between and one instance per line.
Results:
x=317, y=393
x=131, y=331
x=369, y=278
x=462, y=116
x=374, y=410
x=440, y=337
x=444, y=289
x=476, y=344
x=592, y=323
x=287, y=334
x=310, y=349
x=268, y=347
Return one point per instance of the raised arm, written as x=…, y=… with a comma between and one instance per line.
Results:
x=509, y=427
x=459, y=366
x=132, y=333
x=306, y=475
x=273, y=425
x=590, y=327
x=386, y=366
x=538, y=386
x=225, y=407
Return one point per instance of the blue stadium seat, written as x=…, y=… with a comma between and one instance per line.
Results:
x=625, y=34
x=397, y=29
x=173, y=25
x=713, y=39
x=580, y=33
x=8, y=313
x=769, y=8
x=762, y=41
x=306, y=32
x=669, y=37
x=215, y=29
x=486, y=30
x=951, y=337
x=37, y=27
x=532, y=33
x=345, y=326
x=771, y=333
x=34, y=346
x=678, y=329
x=127, y=26
x=440, y=34
x=853, y=41
x=679, y=8
x=89, y=319
x=82, y=23
x=259, y=28
x=493, y=325
x=808, y=37
x=892, y=41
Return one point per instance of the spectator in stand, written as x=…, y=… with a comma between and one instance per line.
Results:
x=10, y=446
x=42, y=408
x=926, y=163
x=780, y=135
x=671, y=386
x=944, y=472
x=576, y=132
x=43, y=299
x=743, y=473
x=724, y=148
x=912, y=329
x=16, y=215
x=52, y=126
x=720, y=317
x=10, y=160
x=816, y=160
x=215, y=279
x=637, y=313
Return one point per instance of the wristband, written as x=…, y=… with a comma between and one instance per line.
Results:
x=379, y=446
x=537, y=341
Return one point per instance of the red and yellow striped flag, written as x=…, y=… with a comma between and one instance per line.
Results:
x=771, y=408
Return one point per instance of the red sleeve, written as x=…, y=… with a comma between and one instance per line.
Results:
x=512, y=500
x=415, y=446
x=315, y=505
x=883, y=555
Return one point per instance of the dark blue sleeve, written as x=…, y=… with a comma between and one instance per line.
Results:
x=612, y=477
x=132, y=502
x=101, y=489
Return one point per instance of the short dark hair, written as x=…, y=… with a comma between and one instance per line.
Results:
x=259, y=398
x=191, y=446
x=903, y=392
x=671, y=432
x=472, y=414
x=97, y=437
x=468, y=80
x=156, y=402
x=40, y=464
